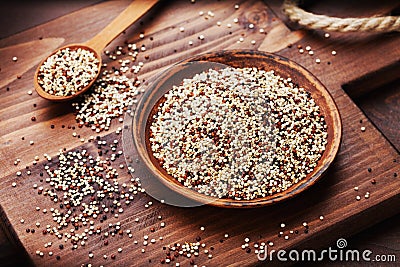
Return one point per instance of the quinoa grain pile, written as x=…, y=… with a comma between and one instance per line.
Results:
x=238, y=133
x=68, y=71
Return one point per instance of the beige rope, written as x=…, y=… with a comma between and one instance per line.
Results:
x=322, y=22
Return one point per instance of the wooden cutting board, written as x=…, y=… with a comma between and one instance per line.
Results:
x=360, y=64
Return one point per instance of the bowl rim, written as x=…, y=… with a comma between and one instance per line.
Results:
x=293, y=190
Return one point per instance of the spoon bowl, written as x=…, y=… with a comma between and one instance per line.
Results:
x=41, y=92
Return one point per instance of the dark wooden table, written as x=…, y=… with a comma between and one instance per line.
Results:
x=371, y=93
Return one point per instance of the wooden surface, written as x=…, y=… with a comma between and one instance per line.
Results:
x=358, y=56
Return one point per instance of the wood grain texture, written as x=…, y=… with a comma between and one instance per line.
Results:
x=382, y=106
x=19, y=16
x=332, y=197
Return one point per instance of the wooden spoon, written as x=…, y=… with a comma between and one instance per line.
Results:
x=133, y=12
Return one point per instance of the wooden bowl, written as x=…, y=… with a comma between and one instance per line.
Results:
x=240, y=59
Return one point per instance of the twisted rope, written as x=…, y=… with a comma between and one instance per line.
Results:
x=322, y=22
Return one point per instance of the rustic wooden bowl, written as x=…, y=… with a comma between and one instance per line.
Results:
x=235, y=58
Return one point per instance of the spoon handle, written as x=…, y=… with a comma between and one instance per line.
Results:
x=133, y=12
